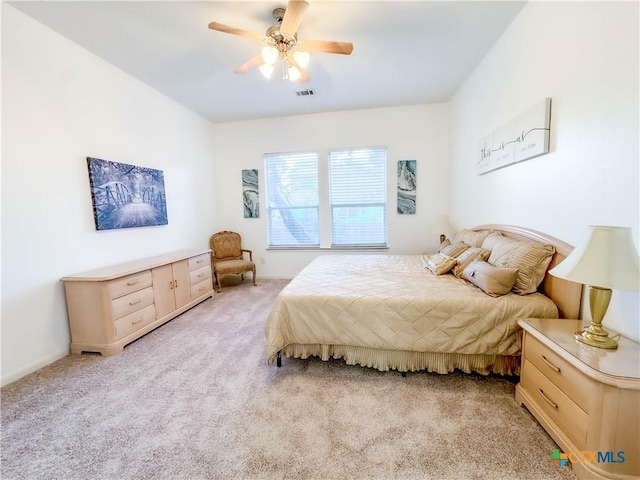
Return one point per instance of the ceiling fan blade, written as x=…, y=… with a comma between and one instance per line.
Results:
x=293, y=16
x=304, y=76
x=254, y=62
x=235, y=31
x=343, y=48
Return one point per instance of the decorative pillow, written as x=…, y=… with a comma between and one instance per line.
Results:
x=470, y=255
x=454, y=249
x=439, y=263
x=472, y=238
x=491, y=240
x=530, y=258
x=492, y=280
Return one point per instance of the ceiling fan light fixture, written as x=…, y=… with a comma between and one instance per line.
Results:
x=281, y=43
x=302, y=58
x=294, y=73
x=266, y=69
x=269, y=54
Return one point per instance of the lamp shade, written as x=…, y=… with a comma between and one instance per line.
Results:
x=606, y=257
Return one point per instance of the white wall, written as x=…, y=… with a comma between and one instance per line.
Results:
x=585, y=56
x=420, y=132
x=60, y=105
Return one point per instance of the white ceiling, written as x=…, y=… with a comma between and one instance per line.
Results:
x=405, y=53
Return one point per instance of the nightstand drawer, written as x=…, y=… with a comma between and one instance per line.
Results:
x=565, y=376
x=559, y=407
x=130, y=303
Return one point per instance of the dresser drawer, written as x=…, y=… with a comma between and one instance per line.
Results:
x=199, y=261
x=130, y=303
x=558, y=406
x=564, y=375
x=135, y=321
x=201, y=288
x=129, y=284
x=200, y=275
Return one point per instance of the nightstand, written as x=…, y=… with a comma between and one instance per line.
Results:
x=586, y=398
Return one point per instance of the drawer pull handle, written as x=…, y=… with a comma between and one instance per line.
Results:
x=199, y=261
x=200, y=275
x=171, y=285
x=133, y=282
x=175, y=283
x=133, y=302
x=551, y=365
x=548, y=400
x=133, y=322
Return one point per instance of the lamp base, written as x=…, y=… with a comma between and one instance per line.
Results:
x=596, y=336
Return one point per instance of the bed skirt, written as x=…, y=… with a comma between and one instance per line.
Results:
x=407, y=361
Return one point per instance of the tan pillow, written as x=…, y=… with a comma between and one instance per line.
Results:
x=491, y=240
x=530, y=258
x=439, y=263
x=472, y=238
x=454, y=249
x=467, y=257
x=492, y=280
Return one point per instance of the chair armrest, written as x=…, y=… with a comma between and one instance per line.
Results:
x=250, y=252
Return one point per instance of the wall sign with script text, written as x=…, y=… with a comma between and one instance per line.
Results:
x=525, y=137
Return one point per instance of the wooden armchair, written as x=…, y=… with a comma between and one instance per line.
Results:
x=227, y=256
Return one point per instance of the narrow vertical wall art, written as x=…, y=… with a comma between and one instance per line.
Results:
x=250, y=193
x=406, y=187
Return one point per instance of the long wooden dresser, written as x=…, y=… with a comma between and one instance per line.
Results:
x=113, y=306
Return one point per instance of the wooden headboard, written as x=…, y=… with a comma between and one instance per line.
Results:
x=565, y=294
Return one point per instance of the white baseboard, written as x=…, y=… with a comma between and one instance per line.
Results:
x=24, y=371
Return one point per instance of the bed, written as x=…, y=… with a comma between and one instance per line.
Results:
x=390, y=312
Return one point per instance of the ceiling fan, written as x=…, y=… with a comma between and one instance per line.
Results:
x=281, y=42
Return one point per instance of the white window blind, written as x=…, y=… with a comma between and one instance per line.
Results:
x=358, y=189
x=292, y=199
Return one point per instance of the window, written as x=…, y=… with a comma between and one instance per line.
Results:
x=358, y=190
x=292, y=199
x=351, y=208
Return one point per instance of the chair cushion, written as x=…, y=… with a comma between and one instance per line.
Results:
x=233, y=266
x=226, y=244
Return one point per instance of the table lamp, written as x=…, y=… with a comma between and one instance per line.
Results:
x=605, y=259
x=443, y=227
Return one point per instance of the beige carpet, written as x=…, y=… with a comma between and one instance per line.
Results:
x=195, y=400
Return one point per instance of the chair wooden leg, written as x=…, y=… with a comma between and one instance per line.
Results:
x=254, y=277
x=217, y=283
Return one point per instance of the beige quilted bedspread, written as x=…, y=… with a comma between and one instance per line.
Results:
x=392, y=302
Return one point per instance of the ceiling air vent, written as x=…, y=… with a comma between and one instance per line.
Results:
x=304, y=93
